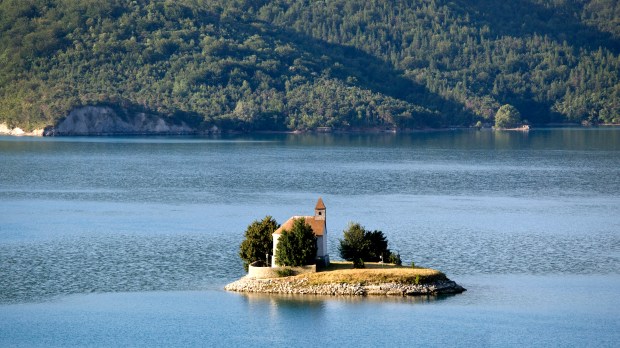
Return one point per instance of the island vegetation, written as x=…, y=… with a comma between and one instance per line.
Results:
x=256, y=246
x=281, y=65
x=360, y=245
x=363, y=275
x=297, y=247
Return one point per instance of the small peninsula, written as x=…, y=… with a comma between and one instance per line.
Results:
x=341, y=279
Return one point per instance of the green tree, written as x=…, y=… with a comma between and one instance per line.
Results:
x=378, y=249
x=354, y=246
x=297, y=247
x=360, y=245
x=507, y=117
x=258, y=240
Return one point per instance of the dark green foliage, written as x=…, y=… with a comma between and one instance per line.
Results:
x=285, y=272
x=395, y=259
x=259, y=263
x=258, y=241
x=507, y=117
x=296, y=64
x=297, y=247
x=378, y=249
x=359, y=244
x=358, y=263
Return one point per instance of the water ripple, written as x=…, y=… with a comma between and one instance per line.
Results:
x=31, y=271
x=472, y=252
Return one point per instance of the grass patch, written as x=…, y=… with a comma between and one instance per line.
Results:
x=374, y=273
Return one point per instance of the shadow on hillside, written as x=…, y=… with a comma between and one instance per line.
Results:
x=518, y=18
x=369, y=72
x=524, y=18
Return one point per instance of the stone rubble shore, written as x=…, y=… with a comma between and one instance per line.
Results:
x=301, y=286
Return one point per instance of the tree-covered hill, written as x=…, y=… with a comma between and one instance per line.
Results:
x=302, y=64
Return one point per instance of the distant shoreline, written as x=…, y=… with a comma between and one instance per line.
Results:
x=5, y=130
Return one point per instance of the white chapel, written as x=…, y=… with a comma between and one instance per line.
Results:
x=319, y=227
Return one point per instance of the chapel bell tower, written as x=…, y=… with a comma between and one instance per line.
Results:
x=319, y=210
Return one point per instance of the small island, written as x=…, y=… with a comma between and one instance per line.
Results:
x=293, y=259
x=341, y=279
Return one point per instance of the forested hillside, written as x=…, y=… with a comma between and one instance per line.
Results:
x=301, y=64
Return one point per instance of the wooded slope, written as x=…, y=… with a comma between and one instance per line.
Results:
x=300, y=64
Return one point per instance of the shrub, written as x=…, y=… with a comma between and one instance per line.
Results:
x=412, y=264
x=297, y=247
x=284, y=272
x=258, y=241
x=259, y=263
x=395, y=259
x=358, y=263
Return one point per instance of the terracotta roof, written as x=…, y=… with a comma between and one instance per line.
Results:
x=319, y=204
x=318, y=226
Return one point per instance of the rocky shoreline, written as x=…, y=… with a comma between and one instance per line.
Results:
x=6, y=130
x=297, y=285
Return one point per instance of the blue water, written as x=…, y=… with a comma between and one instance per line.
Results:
x=114, y=241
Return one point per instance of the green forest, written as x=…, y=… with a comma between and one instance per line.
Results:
x=279, y=65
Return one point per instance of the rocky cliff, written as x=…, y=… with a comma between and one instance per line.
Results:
x=103, y=120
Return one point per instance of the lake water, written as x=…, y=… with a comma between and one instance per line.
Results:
x=128, y=241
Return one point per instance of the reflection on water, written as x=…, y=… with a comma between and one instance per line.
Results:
x=321, y=301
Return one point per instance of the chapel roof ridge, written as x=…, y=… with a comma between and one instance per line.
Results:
x=318, y=226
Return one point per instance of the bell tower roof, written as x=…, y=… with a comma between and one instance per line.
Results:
x=319, y=210
x=320, y=204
